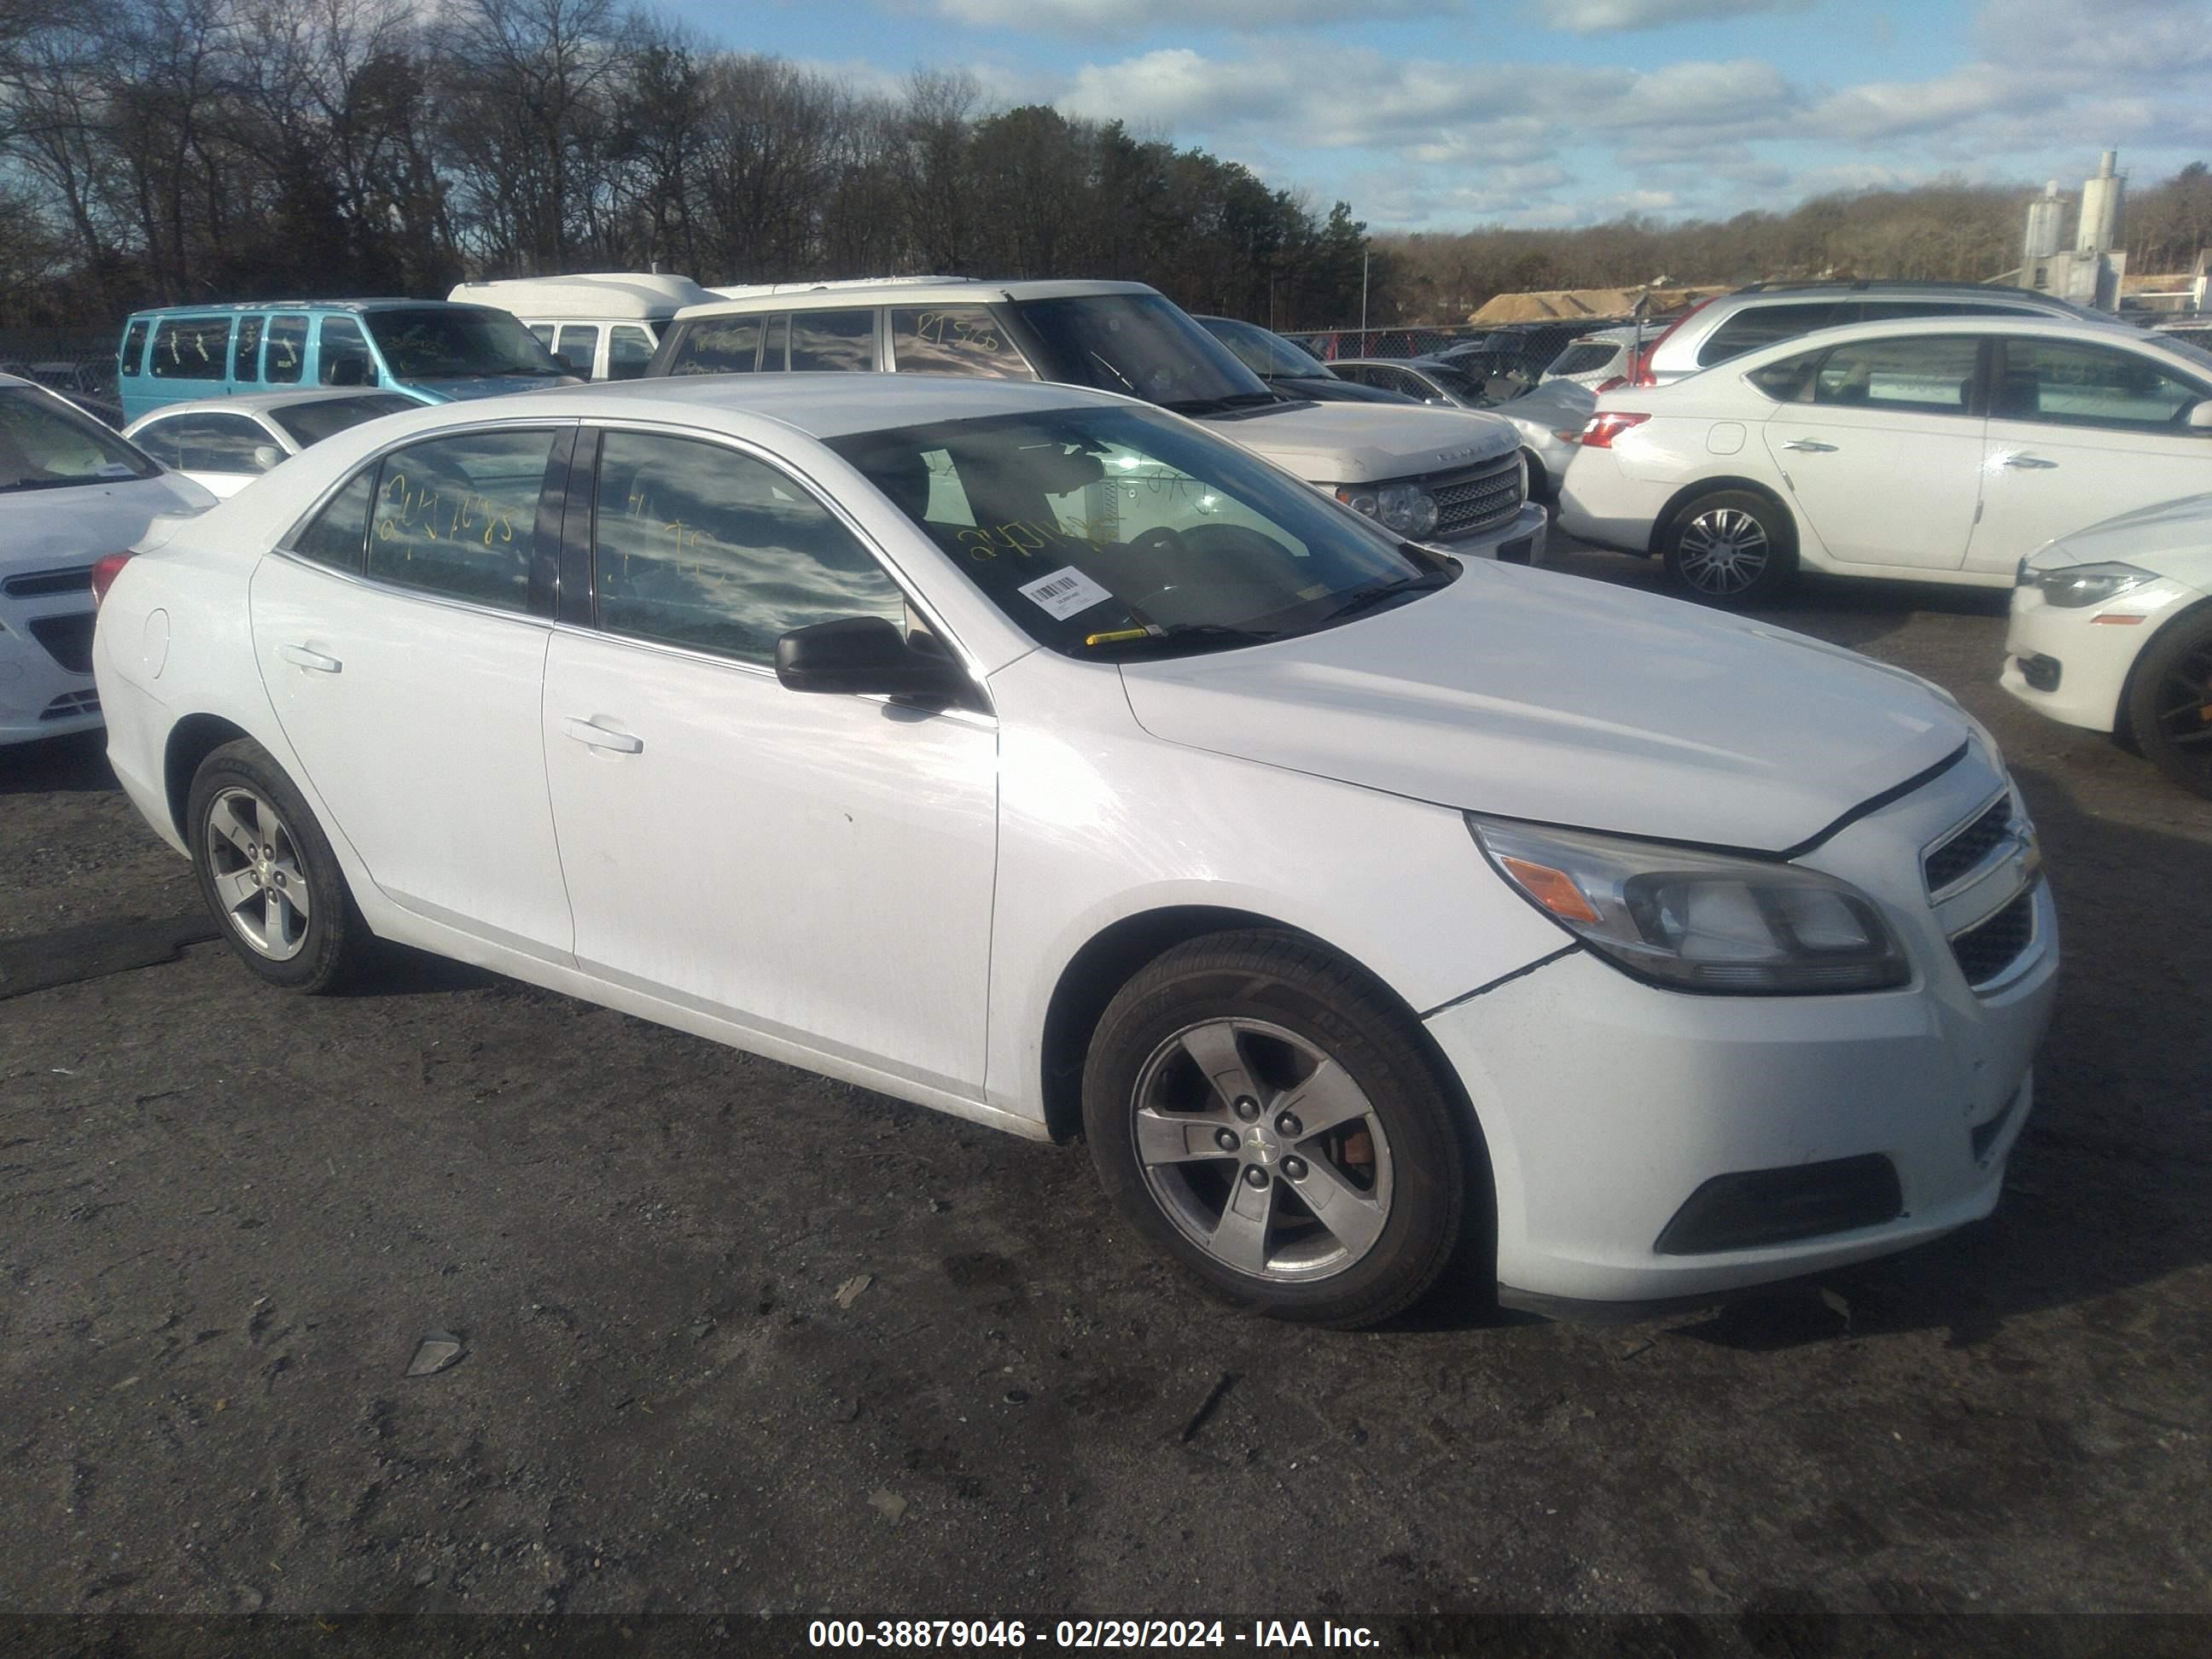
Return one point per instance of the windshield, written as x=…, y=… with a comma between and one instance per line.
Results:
x=47, y=444
x=310, y=422
x=1118, y=533
x=1141, y=345
x=453, y=343
x=1268, y=355
x=1454, y=381
x=2188, y=351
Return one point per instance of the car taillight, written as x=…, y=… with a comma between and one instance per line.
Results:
x=1604, y=428
x=1642, y=374
x=104, y=573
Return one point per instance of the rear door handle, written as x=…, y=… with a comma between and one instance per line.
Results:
x=300, y=657
x=1812, y=446
x=2034, y=461
x=599, y=737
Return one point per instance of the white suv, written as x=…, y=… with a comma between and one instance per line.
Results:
x=1445, y=476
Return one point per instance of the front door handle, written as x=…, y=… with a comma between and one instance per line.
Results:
x=300, y=657
x=2033, y=461
x=1812, y=446
x=599, y=737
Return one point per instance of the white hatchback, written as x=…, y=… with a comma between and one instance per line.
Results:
x=852, y=720
x=1938, y=450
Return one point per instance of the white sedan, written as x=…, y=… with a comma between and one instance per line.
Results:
x=226, y=443
x=855, y=722
x=2112, y=629
x=1941, y=450
x=71, y=494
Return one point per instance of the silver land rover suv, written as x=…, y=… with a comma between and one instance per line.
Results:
x=1767, y=314
x=1455, y=478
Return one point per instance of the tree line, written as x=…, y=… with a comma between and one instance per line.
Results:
x=179, y=150
x=1948, y=232
x=168, y=151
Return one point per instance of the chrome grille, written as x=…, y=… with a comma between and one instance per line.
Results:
x=1478, y=499
x=1987, y=948
x=38, y=584
x=1967, y=845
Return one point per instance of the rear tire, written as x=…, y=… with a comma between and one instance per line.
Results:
x=267, y=874
x=2169, y=712
x=1262, y=1112
x=1730, y=548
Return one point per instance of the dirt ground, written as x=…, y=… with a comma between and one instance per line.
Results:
x=735, y=1338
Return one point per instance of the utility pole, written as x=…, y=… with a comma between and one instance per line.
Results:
x=1366, y=257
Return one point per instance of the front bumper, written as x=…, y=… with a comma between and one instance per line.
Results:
x=1606, y=1104
x=41, y=693
x=1520, y=540
x=2088, y=651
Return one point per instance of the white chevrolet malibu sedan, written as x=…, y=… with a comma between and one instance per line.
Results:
x=1037, y=755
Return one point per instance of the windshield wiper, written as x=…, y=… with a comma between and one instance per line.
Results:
x=1178, y=633
x=1367, y=599
x=1216, y=405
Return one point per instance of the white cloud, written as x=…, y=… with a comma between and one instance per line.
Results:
x=1125, y=18
x=1611, y=16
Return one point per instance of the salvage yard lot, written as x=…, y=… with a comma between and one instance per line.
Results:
x=736, y=1337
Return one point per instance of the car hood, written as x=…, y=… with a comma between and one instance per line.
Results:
x=1533, y=695
x=1366, y=443
x=1554, y=407
x=492, y=385
x=2172, y=540
x=82, y=522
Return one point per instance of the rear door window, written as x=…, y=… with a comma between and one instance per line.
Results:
x=830, y=342
x=1764, y=326
x=192, y=349
x=246, y=352
x=1928, y=374
x=954, y=340
x=288, y=350
x=457, y=516
x=719, y=345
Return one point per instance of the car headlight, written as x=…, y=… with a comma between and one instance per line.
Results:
x=2076, y=587
x=1698, y=921
x=1405, y=508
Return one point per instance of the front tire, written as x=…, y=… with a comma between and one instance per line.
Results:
x=1264, y=1113
x=267, y=874
x=1730, y=548
x=2170, y=703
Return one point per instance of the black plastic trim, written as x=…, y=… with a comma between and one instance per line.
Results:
x=578, y=604
x=1873, y=804
x=1752, y=1209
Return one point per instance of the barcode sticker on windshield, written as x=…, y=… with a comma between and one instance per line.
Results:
x=1064, y=593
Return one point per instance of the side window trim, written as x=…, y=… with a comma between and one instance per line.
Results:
x=585, y=518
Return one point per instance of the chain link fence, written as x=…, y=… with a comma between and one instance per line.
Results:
x=77, y=362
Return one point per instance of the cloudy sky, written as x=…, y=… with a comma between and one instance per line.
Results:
x=1437, y=114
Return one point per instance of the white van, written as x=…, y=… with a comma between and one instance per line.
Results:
x=1447, y=476
x=605, y=324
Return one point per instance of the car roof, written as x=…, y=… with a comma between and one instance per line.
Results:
x=947, y=290
x=587, y=296
x=823, y=405
x=1956, y=323
x=228, y=308
x=259, y=403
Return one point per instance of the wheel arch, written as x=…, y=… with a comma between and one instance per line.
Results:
x=2124, y=730
x=1682, y=499
x=191, y=741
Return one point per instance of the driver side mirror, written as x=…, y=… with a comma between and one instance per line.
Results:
x=864, y=657
x=266, y=456
x=2199, y=418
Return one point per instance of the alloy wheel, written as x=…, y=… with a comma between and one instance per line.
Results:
x=2184, y=708
x=258, y=876
x=1263, y=1151
x=1722, y=551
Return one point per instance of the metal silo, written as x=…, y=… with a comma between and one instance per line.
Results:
x=2046, y=216
x=2100, y=227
